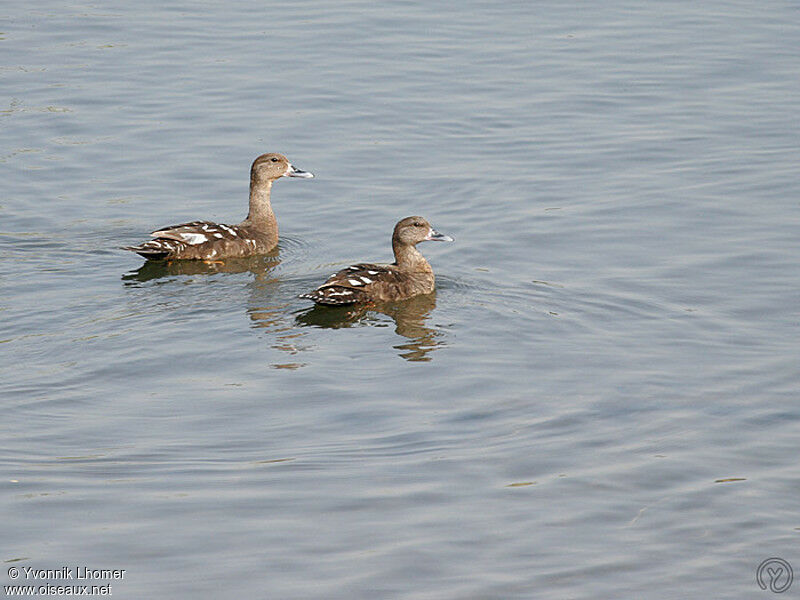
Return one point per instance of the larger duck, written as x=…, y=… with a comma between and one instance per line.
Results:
x=204, y=240
x=409, y=275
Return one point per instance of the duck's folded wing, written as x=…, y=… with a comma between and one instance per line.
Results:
x=196, y=232
x=360, y=275
x=357, y=283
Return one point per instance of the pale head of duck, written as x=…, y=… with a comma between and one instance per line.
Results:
x=413, y=230
x=271, y=166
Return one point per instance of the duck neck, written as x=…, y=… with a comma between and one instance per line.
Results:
x=260, y=214
x=408, y=258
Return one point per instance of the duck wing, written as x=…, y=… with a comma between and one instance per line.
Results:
x=196, y=232
x=171, y=241
x=358, y=283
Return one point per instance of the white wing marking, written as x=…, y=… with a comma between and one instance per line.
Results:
x=193, y=238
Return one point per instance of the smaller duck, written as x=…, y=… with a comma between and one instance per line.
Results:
x=204, y=240
x=409, y=275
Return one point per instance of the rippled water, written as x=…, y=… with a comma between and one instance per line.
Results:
x=600, y=399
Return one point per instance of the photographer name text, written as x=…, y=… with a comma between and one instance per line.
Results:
x=66, y=573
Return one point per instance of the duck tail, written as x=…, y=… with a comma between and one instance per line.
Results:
x=155, y=249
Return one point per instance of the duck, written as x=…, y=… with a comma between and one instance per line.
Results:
x=205, y=240
x=409, y=275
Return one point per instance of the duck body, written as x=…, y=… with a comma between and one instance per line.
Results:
x=366, y=282
x=410, y=275
x=205, y=240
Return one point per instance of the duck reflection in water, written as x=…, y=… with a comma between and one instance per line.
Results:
x=269, y=312
x=409, y=317
x=157, y=269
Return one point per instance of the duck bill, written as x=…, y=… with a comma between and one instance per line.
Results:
x=435, y=236
x=295, y=172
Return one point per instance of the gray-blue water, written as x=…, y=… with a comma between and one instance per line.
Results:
x=601, y=399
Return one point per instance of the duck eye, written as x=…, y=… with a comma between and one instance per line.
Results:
x=274, y=159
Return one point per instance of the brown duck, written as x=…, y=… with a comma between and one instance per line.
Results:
x=409, y=275
x=204, y=240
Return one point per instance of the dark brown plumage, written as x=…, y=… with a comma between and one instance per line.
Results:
x=409, y=275
x=204, y=240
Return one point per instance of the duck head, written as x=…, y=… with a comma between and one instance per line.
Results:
x=272, y=166
x=413, y=230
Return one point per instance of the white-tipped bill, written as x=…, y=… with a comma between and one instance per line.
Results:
x=293, y=171
x=435, y=236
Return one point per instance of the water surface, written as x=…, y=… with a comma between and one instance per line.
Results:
x=600, y=399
